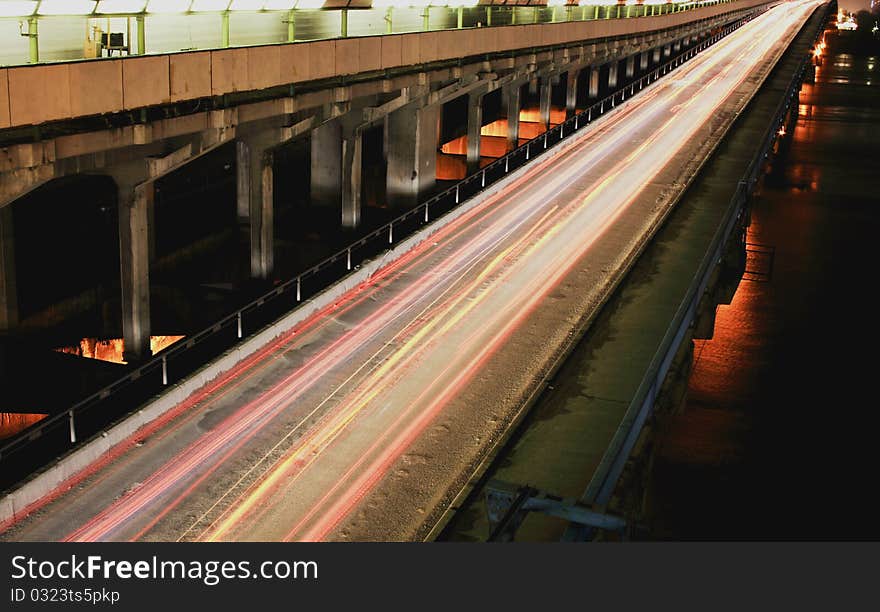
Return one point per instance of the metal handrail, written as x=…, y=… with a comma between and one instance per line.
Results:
x=486, y=176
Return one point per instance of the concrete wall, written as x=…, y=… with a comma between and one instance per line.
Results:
x=41, y=93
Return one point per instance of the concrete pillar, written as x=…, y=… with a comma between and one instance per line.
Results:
x=643, y=61
x=630, y=66
x=512, y=99
x=134, y=260
x=594, y=82
x=336, y=169
x=8, y=289
x=544, y=101
x=242, y=181
x=412, y=139
x=677, y=46
x=326, y=164
x=612, y=74
x=255, y=201
x=667, y=50
x=352, y=153
x=262, y=214
x=533, y=87
x=657, y=55
x=475, y=124
x=571, y=91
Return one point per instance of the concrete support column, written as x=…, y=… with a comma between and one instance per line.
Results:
x=8, y=289
x=571, y=92
x=336, y=169
x=657, y=55
x=352, y=164
x=667, y=50
x=677, y=46
x=643, y=61
x=544, y=101
x=475, y=124
x=612, y=74
x=255, y=201
x=594, y=83
x=242, y=181
x=630, y=66
x=512, y=95
x=412, y=139
x=326, y=164
x=134, y=202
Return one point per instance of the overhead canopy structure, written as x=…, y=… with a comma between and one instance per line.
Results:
x=29, y=8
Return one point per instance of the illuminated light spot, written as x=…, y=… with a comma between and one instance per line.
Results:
x=112, y=349
x=12, y=423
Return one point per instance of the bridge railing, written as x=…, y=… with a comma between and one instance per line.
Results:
x=92, y=415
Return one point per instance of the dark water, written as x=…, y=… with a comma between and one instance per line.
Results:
x=780, y=437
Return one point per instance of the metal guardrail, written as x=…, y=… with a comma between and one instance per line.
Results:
x=114, y=402
x=604, y=481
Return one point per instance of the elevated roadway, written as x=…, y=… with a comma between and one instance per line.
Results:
x=366, y=420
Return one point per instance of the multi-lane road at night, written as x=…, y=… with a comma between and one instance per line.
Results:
x=363, y=422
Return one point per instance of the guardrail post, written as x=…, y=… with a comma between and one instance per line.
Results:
x=456, y=194
x=348, y=259
x=72, y=427
x=238, y=323
x=528, y=147
x=298, y=287
x=506, y=163
x=164, y=370
x=576, y=122
x=390, y=233
x=561, y=131
x=545, y=140
x=426, y=211
x=483, y=179
x=602, y=107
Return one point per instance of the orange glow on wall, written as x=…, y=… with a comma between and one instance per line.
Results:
x=455, y=147
x=533, y=115
x=451, y=167
x=111, y=350
x=493, y=146
x=528, y=130
x=496, y=128
x=13, y=422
